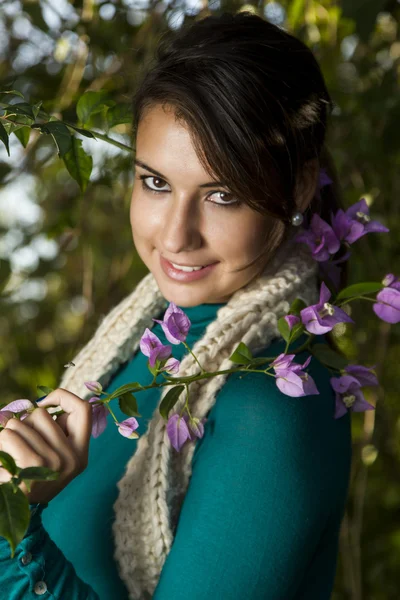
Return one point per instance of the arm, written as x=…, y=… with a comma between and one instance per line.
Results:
x=262, y=512
x=39, y=567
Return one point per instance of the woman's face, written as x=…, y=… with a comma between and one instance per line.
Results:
x=179, y=216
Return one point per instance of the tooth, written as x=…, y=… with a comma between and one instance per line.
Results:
x=187, y=269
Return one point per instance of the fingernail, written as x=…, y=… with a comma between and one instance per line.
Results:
x=41, y=399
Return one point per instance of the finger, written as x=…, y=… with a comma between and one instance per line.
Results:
x=62, y=422
x=43, y=423
x=23, y=454
x=40, y=441
x=79, y=420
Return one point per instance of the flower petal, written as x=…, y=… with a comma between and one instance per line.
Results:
x=177, y=431
x=127, y=428
x=94, y=386
x=290, y=383
x=387, y=307
x=99, y=420
x=363, y=374
x=18, y=406
x=340, y=407
x=148, y=342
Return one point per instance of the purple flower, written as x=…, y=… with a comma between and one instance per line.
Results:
x=196, y=426
x=291, y=320
x=99, y=417
x=387, y=306
x=391, y=281
x=363, y=374
x=348, y=395
x=94, y=386
x=178, y=431
x=322, y=317
x=171, y=366
x=175, y=324
x=127, y=428
x=349, y=226
x=290, y=378
x=152, y=347
x=17, y=406
x=320, y=237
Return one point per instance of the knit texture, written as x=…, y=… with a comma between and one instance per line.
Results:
x=156, y=478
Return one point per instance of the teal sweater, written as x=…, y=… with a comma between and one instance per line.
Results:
x=261, y=516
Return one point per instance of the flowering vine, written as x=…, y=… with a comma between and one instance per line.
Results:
x=330, y=244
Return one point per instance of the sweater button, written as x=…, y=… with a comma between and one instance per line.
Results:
x=40, y=588
x=26, y=558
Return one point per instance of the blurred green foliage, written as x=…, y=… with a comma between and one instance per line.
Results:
x=66, y=252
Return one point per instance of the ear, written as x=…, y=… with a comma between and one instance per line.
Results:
x=307, y=186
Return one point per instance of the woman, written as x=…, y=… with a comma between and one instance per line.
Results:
x=230, y=133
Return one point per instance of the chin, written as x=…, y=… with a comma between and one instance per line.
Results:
x=185, y=297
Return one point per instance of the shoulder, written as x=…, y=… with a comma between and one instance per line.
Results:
x=252, y=420
x=256, y=396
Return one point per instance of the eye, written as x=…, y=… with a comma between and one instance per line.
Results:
x=158, y=183
x=158, y=186
x=224, y=202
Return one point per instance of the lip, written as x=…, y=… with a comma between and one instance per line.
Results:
x=184, y=276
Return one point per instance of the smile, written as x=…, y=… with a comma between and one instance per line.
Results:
x=184, y=273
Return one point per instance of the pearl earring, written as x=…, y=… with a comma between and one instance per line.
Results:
x=297, y=218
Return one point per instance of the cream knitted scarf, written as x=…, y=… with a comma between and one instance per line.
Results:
x=156, y=478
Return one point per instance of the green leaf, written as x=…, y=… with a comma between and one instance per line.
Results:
x=283, y=328
x=11, y=126
x=242, y=355
x=120, y=113
x=85, y=132
x=123, y=389
x=296, y=332
x=14, y=515
x=61, y=135
x=4, y=137
x=23, y=133
x=8, y=462
x=38, y=473
x=36, y=108
x=154, y=370
x=128, y=405
x=13, y=92
x=20, y=108
x=91, y=103
x=358, y=289
x=329, y=357
x=78, y=163
x=44, y=390
x=5, y=273
x=297, y=305
x=187, y=379
x=170, y=399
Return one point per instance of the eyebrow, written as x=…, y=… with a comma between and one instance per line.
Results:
x=203, y=185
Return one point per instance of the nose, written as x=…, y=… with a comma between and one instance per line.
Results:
x=181, y=227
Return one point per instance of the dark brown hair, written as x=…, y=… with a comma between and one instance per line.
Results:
x=256, y=104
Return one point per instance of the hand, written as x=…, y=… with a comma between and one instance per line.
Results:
x=40, y=441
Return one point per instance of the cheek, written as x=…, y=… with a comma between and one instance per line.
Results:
x=144, y=218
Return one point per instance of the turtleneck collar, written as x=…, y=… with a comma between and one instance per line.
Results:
x=202, y=313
